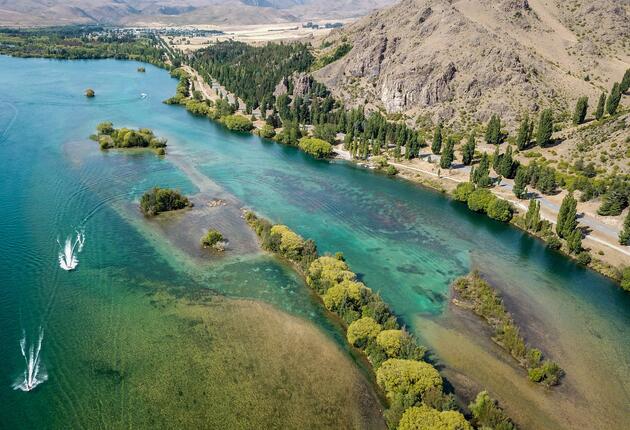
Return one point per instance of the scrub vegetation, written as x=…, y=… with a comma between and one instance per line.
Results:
x=109, y=137
x=477, y=295
x=413, y=387
x=159, y=200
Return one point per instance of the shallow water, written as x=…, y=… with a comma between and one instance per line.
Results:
x=406, y=242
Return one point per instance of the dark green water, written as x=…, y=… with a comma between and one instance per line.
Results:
x=406, y=242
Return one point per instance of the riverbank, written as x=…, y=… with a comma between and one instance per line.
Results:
x=601, y=240
x=608, y=257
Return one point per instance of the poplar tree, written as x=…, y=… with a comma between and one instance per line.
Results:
x=468, y=150
x=601, y=104
x=545, y=128
x=613, y=99
x=448, y=153
x=520, y=183
x=532, y=217
x=436, y=146
x=493, y=130
x=524, y=134
x=625, y=82
x=567, y=216
x=580, y=110
x=624, y=234
x=506, y=165
x=496, y=160
x=574, y=241
x=481, y=175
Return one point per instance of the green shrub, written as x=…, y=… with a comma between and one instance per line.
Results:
x=463, y=191
x=547, y=373
x=408, y=378
x=316, y=147
x=426, y=418
x=363, y=330
x=487, y=413
x=625, y=279
x=584, y=258
x=211, y=238
x=391, y=341
x=500, y=210
x=479, y=199
x=267, y=131
x=237, y=122
x=159, y=200
x=327, y=271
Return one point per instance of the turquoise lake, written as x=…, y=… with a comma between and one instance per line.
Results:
x=406, y=242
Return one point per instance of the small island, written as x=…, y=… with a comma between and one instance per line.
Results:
x=141, y=69
x=109, y=137
x=159, y=200
x=214, y=239
x=474, y=293
x=89, y=93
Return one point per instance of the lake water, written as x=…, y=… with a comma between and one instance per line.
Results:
x=117, y=331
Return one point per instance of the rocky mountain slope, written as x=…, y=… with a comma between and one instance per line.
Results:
x=463, y=60
x=175, y=12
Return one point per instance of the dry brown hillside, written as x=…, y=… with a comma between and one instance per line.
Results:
x=14, y=13
x=466, y=59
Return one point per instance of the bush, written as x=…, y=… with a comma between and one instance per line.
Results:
x=267, y=131
x=237, y=123
x=391, y=170
x=316, y=147
x=584, y=258
x=391, y=341
x=212, y=238
x=105, y=127
x=487, y=414
x=110, y=137
x=548, y=373
x=408, y=378
x=162, y=200
x=327, y=271
x=500, y=210
x=363, y=330
x=553, y=241
x=291, y=244
x=463, y=191
x=625, y=279
x=479, y=199
x=426, y=418
x=347, y=295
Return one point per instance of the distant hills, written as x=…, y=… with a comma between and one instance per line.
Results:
x=178, y=12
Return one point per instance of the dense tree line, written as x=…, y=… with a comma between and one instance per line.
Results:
x=82, y=43
x=250, y=72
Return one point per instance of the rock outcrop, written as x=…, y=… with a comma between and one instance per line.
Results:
x=465, y=60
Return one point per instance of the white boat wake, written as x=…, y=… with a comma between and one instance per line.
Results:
x=68, y=252
x=34, y=373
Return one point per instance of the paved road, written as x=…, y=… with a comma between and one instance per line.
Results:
x=600, y=232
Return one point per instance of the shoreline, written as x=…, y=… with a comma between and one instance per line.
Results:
x=446, y=185
x=608, y=264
